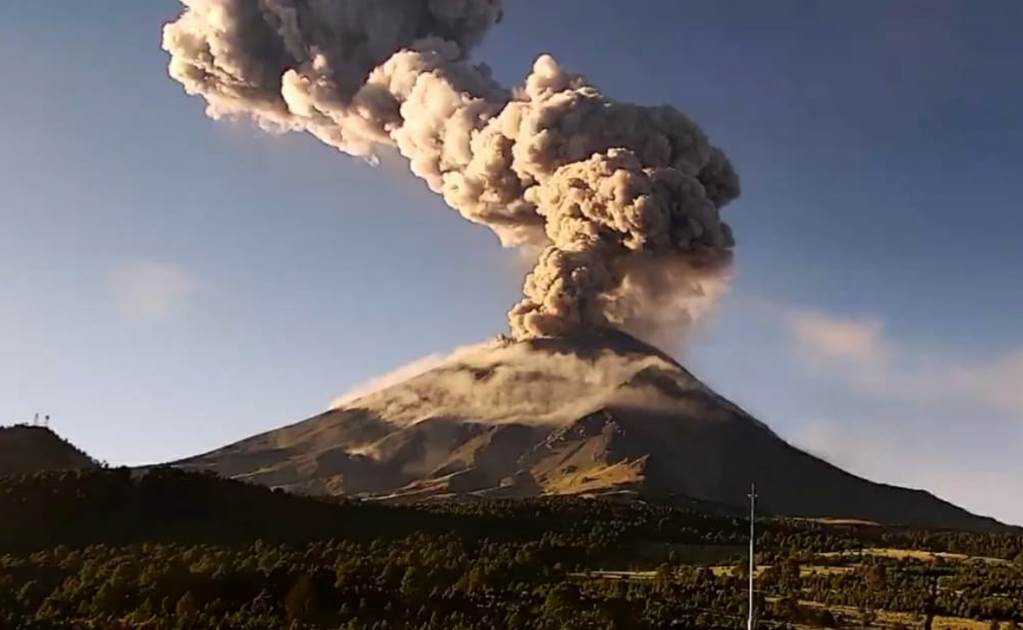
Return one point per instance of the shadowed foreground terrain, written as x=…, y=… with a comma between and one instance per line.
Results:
x=595, y=414
x=113, y=548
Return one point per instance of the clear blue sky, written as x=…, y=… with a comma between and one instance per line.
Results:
x=171, y=284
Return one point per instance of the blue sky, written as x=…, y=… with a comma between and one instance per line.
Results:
x=172, y=283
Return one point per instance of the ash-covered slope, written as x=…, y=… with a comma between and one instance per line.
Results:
x=596, y=414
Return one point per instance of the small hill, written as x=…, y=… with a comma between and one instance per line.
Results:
x=120, y=506
x=164, y=505
x=28, y=449
x=603, y=414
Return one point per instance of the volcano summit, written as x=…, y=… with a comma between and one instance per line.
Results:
x=597, y=414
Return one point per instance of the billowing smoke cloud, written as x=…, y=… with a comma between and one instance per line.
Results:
x=622, y=201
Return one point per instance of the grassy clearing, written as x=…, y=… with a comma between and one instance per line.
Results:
x=838, y=564
x=720, y=570
x=890, y=618
x=914, y=554
x=615, y=575
x=804, y=571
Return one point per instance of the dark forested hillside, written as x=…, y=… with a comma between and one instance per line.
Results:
x=109, y=548
x=28, y=449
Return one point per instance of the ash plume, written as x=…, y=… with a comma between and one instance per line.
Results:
x=621, y=201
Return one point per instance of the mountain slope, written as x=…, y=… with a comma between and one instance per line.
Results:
x=29, y=449
x=598, y=414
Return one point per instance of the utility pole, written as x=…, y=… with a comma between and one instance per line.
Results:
x=752, y=516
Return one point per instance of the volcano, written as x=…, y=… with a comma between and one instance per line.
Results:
x=601, y=414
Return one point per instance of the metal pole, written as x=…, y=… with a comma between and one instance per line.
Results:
x=752, y=517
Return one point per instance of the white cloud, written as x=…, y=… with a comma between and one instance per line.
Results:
x=147, y=290
x=927, y=416
x=826, y=337
x=874, y=364
x=998, y=383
